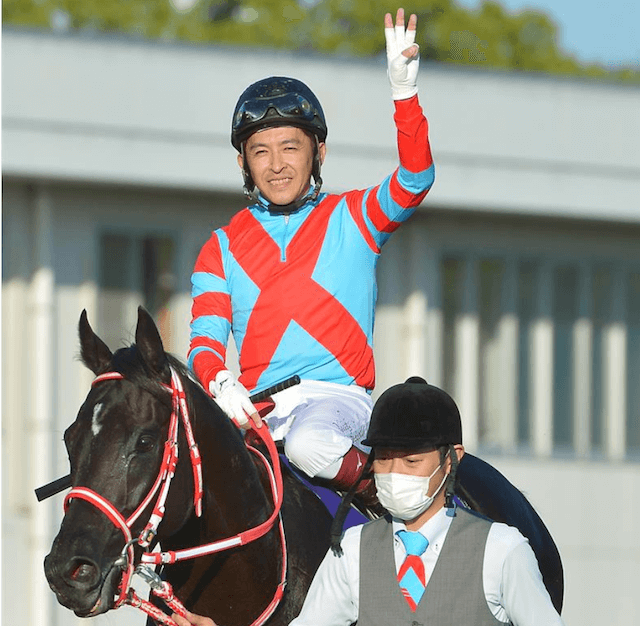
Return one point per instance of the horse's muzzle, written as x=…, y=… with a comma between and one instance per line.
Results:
x=81, y=585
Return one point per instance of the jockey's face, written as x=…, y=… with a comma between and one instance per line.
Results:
x=280, y=160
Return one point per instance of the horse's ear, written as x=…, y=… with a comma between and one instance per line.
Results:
x=149, y=342
x=94, y=352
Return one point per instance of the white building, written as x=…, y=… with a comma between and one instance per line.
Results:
x=516, y=286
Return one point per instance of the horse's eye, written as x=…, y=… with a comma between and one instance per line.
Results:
x=145, y=443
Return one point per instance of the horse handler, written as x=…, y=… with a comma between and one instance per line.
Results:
x=292, y=276
x=428, y=561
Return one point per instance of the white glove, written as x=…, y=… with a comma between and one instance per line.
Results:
x=402, y=68
x=233, y=398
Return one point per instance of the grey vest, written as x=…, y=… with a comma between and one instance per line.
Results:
x=454, y=595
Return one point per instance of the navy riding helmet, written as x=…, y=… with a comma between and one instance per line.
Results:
x=277, y=101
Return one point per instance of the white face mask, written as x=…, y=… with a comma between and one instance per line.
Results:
x=404, y=495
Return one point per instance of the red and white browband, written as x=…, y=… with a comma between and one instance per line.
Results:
x=180, y=414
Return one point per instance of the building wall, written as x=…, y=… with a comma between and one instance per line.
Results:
x=123, y=111
x=52, y=234
x=110, y=146
x=591, y=509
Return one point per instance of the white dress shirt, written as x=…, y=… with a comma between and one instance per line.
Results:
x=511, y=578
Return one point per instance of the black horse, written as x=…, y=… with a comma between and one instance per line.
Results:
x=484, y=489
x=116, y=447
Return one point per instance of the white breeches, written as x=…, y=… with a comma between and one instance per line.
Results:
x=318, y=423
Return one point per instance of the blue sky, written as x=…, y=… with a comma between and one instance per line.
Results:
x=604, y=32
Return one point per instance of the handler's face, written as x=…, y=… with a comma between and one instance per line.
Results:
x=403, y=462
x=280, y=160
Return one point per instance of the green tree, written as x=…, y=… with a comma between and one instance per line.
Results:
x=487, y=37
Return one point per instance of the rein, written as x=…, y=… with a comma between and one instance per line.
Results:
x=160, y=588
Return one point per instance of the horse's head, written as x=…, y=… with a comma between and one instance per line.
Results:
x=115, y=448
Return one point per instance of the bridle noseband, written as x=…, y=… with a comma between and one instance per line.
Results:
x=127, y=595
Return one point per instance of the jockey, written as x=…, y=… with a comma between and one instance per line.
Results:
x=292, y=276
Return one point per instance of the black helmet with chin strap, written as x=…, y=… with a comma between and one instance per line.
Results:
x=414, y=415
x=278, y=101
x=411, y=416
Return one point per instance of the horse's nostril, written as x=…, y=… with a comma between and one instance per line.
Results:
x=82, y=572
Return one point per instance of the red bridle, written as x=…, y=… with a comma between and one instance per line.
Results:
x=180, y=414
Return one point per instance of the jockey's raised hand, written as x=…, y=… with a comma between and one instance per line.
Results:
x=402, y=55
x=233, y=399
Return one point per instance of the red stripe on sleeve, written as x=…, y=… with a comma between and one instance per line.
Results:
x=207, y=342
x=206, y=365
x=212, y=303
x=210, y=258
x=354, y=203
x=375, y=213
x=403, y=197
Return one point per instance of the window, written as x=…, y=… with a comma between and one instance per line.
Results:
x=491, y=307
x=134, y=271
x=557, y=345
x=452, y=302
x=565, y=315
x=633, y=365
x=602, y=294
x=526, y=311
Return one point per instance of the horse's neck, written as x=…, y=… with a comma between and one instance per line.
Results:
x=234, y=501
x=232, y=482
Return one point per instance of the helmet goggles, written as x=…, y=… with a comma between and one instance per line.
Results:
x=287, y=105
x=277, y=101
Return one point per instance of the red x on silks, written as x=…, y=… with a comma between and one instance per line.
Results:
x=288, y=293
